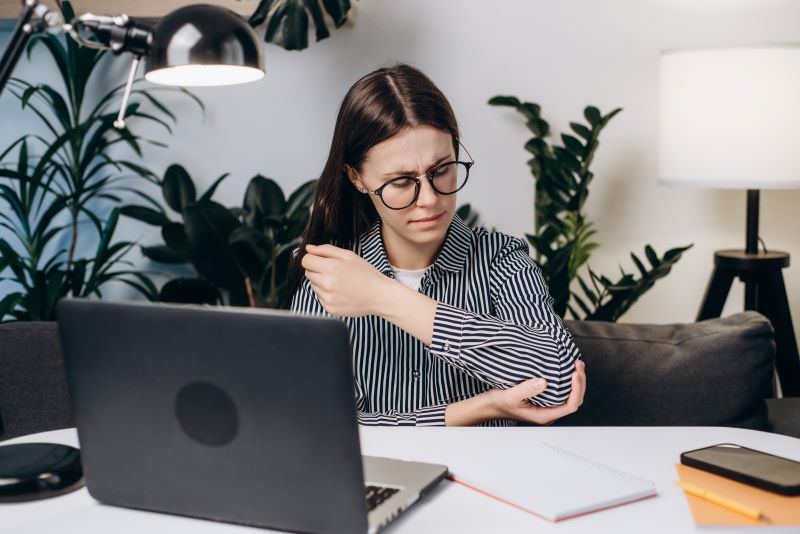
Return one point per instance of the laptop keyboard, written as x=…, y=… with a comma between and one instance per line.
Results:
x=377, y=494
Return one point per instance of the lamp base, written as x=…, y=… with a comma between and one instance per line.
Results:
x=32, y=471
x=765, y=293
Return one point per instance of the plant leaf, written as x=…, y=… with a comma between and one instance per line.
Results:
x=178, y=188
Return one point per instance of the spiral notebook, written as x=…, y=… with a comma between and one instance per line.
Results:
x=552, y=483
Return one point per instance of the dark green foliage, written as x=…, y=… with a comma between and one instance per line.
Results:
x=63, y=185
x=243, y=251
x=562, y=239
x=468, y=215
x=287, y=20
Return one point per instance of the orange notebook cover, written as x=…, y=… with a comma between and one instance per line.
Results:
x=779, y=510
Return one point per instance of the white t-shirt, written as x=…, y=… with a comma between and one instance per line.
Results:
x=409, y=278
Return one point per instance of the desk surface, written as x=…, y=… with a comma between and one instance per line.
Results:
x=649, y=452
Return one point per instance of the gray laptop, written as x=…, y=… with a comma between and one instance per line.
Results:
x=226, y=414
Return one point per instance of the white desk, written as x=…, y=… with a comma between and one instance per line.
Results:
x=649, y=452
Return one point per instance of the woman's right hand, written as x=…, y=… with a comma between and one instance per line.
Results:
x=513, y=403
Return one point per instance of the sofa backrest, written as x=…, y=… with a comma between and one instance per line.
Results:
x=716, y=372
x=33, y=385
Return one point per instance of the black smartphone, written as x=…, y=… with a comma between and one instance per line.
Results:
x=759, y=469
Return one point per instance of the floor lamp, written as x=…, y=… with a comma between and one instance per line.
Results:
x=730, y=118
x=197, y=45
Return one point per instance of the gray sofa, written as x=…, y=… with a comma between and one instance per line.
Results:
x=715, y=372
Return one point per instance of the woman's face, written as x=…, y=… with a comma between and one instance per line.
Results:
x=412, y=152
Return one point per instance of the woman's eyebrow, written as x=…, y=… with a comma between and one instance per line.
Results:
x=439, y=160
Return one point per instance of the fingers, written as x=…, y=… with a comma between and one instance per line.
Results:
x=327, y=251
x=578, y=383
x=575, y=398
x=315, y=264
x=528, y=388
x=546, y=416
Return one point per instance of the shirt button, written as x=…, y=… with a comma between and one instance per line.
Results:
x=446, y=346
x=415, y=373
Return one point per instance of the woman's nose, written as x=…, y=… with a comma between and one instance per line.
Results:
x=427, y=195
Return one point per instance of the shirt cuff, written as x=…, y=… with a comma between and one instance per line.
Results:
x=431, y=415
x=448, y=326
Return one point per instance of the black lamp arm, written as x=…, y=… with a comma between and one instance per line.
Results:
x=25, y=28
x=119, y=33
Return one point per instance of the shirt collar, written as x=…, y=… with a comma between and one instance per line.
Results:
x=451, y=257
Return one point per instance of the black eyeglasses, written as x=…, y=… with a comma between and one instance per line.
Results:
x=446, y=179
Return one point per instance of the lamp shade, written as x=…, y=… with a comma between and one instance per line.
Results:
x=204, y=45
x=730, y=117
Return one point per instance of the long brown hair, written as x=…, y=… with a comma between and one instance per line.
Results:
x=377, y=107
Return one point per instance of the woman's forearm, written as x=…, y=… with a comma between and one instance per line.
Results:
x=471, y=411
x=407, y=309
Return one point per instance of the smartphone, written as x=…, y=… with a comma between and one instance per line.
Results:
x=749, y=466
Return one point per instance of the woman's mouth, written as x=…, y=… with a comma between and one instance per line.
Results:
x=432, y=219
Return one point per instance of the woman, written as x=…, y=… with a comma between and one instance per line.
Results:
x=449, y=325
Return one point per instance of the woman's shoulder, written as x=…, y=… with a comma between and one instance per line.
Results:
x=491, y=242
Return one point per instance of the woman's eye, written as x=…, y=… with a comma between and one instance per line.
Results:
x=441, y=171
x=402, y=183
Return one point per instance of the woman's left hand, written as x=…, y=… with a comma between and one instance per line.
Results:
x=345, y=283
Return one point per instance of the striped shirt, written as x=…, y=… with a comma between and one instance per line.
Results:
x=494, y=327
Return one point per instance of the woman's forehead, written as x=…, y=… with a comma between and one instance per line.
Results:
x=409, y=150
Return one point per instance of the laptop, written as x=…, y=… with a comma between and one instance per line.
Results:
x=235, y=415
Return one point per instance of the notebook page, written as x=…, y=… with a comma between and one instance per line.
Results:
x=554, y=483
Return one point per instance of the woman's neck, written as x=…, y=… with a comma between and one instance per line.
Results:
x=406, y=255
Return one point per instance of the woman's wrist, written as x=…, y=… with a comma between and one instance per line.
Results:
x=471, y=411
x=405, y=308
x=384, y=297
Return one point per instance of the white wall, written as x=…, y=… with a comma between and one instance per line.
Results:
x=562, y=55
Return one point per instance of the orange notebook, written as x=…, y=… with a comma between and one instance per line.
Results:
x=780, y=510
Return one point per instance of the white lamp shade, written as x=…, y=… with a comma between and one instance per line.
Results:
x=730, y=117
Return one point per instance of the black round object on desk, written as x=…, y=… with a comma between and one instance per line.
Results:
x=30, y=471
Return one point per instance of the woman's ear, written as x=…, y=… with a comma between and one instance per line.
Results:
x=353, y=177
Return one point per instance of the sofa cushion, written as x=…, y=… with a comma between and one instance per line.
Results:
x=716, y=372
x=784, y=416
x=33, y=387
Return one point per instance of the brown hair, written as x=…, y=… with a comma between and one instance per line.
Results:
x=378, y=106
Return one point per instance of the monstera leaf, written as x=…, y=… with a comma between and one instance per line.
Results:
x=287, y=20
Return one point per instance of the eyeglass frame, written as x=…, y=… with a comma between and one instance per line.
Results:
x=429, y=175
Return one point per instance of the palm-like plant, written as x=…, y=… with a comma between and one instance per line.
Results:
x=73, y=182
x=562, y=238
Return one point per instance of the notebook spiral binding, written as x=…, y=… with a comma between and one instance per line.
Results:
x=604, y=467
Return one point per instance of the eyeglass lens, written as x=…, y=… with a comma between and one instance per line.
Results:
x=447, y=179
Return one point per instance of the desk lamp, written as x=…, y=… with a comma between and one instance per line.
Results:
x=197, y=45
x=730, y=118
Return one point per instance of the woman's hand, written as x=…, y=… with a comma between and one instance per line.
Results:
x=513, y=403
x=345, y=284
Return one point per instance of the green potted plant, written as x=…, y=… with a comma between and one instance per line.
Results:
x=562, y=238
x=241, y=252
x=60, y=191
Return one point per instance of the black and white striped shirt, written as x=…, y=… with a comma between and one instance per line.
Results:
x=494, y=327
